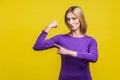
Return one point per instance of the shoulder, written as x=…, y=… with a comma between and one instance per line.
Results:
x=91, y=39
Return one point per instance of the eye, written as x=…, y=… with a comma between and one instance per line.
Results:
x=74, y=18
x=68, y=19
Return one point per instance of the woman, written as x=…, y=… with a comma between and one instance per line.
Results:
x=75, y=48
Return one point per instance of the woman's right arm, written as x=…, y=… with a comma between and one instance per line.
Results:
x=41, y=43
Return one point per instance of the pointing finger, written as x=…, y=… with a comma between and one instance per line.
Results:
x=56, y=45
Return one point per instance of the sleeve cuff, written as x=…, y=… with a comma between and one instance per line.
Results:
x=44, y=32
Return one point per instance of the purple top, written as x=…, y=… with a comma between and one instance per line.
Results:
x=72, y=68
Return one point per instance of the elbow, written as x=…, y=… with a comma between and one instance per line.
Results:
x=38, y=47
x=35, y=48
x=95, y=59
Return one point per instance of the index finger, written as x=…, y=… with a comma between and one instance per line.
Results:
x=56, y=45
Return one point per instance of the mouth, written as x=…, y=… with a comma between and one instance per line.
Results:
x=71, y=26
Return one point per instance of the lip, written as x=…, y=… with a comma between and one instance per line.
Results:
x=71, y=25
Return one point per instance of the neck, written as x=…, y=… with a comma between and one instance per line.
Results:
x=76, y=34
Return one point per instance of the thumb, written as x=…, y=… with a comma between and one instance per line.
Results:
x=56, y=45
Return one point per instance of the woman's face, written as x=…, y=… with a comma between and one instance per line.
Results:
x=73, y=22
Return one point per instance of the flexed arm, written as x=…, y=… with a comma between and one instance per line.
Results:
x=41, y=43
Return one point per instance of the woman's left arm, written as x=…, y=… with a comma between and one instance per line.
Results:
x=92, y=54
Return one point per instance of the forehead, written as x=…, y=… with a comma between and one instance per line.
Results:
x=70, y=14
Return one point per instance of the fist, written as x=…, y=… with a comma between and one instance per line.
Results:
x=53, y=24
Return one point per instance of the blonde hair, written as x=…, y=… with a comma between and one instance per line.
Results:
x=77, y=11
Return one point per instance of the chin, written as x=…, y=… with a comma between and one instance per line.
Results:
x=72, y=29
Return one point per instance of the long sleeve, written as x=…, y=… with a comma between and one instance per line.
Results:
x=72, y=68
x=42, y=44
x=92, y=54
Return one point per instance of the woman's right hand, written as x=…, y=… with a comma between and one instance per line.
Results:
x=53, y=24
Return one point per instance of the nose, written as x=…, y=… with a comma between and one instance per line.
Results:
x=71, y=21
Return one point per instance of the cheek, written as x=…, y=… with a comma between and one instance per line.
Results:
x=77, y=22
x=68, y=23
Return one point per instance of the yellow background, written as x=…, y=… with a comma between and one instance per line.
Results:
x=21, y=21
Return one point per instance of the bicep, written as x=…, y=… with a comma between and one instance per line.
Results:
x=46, y=44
